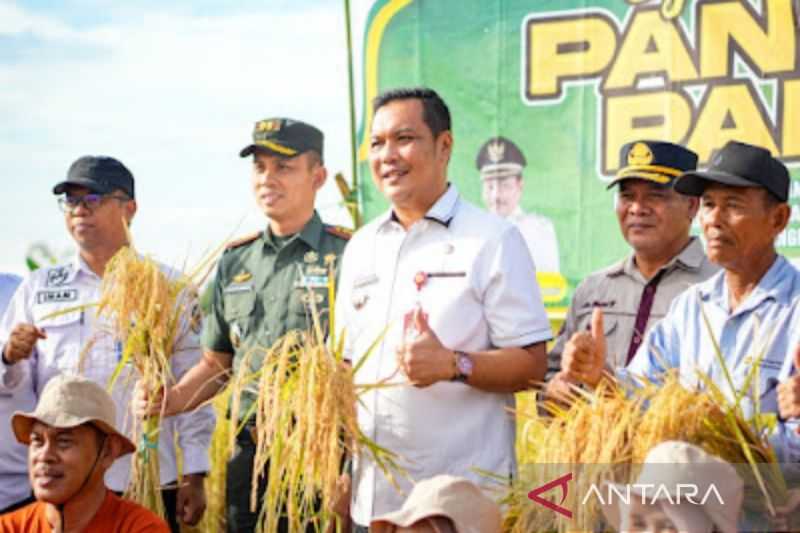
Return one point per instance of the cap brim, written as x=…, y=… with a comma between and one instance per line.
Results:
x=405, y=517
x=654, y=177
x=695, y=183
x=22, y=423
x=93, y=186
x=275, y=149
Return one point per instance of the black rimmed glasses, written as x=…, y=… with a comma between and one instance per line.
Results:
x=90, y=202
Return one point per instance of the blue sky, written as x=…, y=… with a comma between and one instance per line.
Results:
x=172, y=89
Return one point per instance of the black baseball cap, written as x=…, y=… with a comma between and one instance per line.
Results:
x=739, y=164
x=658, y=161
x=100, y=174
x=284, y=137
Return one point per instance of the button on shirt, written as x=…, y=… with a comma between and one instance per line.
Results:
x=619, y=291
x=480, y=293
x=14, y=485
x=769, y=318
x=60, y=290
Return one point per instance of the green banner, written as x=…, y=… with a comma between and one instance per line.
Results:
x=570, y=82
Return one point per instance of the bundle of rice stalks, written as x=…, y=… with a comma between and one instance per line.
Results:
x=306, y=426
x=595, y=432
x=148, y=313
x=604, y=435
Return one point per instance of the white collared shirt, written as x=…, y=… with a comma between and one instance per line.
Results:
x=63, y=288
x=481, y=293
x=14, y=484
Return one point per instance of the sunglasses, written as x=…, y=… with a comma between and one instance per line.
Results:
x=89, y=201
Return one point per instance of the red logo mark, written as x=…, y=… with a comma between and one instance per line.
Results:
x=534, y=495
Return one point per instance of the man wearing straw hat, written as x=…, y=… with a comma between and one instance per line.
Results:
x=263, y=288
x=47, y=331
x=72, y=441
x=636, y=292
x=750, y=310
x=442, y=504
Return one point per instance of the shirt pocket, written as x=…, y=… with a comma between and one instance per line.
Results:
x=61, y=350
x=239, y=307
x=301, y=308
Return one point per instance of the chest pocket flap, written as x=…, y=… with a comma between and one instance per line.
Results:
x=238, y=303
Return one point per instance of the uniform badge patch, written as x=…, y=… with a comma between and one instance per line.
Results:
x=57, y=296
x=58, y=276
x=242, y=276
x=311, y=257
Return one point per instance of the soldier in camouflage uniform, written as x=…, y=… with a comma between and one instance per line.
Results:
x=263, y=284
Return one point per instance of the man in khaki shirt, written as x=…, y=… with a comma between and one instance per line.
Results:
x=636, y=293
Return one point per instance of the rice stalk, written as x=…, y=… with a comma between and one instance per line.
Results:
x=148, y=313
x=606, y=434
x=306, y=425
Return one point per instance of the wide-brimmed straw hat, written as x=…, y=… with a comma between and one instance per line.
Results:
x=456, y=498
x=69, y=401
x=675, y=465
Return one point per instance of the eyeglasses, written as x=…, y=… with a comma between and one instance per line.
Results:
x=90, y=202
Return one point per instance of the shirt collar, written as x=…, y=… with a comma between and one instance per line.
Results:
x=772, y=285
x=442, y=211
x=690, y=258
x=310, y=234
x=77, y=265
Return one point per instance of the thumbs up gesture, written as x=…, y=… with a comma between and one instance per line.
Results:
x=422, y=357
x=789, y=391
x=584, y=355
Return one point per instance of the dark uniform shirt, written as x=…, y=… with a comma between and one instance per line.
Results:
x=262, y=291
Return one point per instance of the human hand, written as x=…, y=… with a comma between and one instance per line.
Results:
x=584, y=355
x=21, y=342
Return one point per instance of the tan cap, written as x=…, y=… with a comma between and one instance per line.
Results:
x=68, y=401
x=673, y=465
x=458, y=499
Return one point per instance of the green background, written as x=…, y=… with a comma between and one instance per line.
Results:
x=469, y=51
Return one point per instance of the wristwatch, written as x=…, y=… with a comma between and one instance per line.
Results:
x=463, y=367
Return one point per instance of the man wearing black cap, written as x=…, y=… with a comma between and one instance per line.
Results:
x=263, y=285
x=501, y=163
x=749, y=309
x=46, y=333
x=636, y=292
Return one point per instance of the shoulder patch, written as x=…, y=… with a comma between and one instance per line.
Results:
x=241, y=241
x=339, y=231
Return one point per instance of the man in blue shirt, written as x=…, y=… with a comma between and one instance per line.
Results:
x=750, y=308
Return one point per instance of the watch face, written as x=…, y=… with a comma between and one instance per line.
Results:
x=464, y=364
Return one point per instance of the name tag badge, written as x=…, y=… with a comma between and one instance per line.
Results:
x=365, y=281
x=56, y=296
x=312, y=282
x=238, y=287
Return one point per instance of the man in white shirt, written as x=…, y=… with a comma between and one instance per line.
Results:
x=45, y=334
x=456, y=288
x=15, y=490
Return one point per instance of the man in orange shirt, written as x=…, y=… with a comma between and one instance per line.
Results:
x=71, y=442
